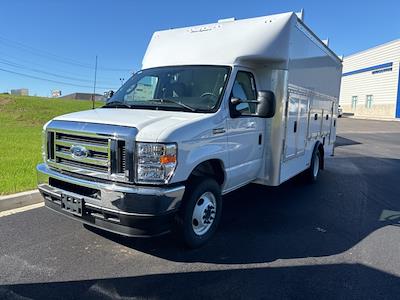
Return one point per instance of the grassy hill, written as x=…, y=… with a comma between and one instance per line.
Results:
x=21, y=122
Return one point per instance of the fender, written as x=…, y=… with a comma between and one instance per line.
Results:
x=213, y=167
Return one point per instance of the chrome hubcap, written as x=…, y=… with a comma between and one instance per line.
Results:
x=204, y=213
x=316, y=166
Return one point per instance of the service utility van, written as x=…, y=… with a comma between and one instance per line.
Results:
x=215, y=107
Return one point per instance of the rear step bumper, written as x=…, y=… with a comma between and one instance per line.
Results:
x=125, y=210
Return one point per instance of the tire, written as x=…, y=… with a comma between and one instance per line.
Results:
x=200, y=212
x=315, y=166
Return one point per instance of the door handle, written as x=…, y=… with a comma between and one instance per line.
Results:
x=218, y=130
x=295, y=126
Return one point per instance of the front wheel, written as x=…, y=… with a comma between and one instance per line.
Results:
x=200, y=212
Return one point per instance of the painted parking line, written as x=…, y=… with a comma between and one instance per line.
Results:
x=20, y=209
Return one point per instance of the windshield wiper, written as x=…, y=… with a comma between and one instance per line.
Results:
x=161, y=100
x=116, y=104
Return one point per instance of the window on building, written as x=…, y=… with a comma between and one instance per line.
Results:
x=354, y=100
x=368, y=101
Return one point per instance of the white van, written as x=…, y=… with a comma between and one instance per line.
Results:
x=214, y=108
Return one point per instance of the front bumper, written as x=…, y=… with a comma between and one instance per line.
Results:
x=124, y=209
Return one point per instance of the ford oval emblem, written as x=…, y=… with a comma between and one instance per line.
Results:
x=79, y=152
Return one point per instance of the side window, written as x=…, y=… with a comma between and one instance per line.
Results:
x=143, y=90
x=354, y=100
x=368, y=101
x=244, y=88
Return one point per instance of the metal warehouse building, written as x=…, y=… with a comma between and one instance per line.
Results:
x=370, y=82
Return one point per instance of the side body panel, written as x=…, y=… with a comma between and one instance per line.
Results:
x=273, y=77
x=313, y=91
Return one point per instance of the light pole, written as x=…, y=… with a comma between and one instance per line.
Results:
x=94, y=84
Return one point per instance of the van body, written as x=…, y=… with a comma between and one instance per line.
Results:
x=215, y=107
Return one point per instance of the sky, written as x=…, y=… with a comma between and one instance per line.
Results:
x=50, y=45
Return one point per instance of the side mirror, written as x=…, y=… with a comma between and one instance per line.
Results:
x=110, y=94
x=234, y=102
x=266, y=104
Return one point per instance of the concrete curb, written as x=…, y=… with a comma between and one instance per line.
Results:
x=19, y=200
x=368, y=118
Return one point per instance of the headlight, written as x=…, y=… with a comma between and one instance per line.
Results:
x=155, y=163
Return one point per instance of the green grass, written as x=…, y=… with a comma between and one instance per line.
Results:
x=21, y=122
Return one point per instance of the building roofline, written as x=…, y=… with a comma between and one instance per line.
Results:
x=373, y=47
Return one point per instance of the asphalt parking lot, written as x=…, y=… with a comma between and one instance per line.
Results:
x=338, y=238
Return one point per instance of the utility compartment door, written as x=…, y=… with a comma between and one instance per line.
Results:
x=302, y=126
x=332, y=136
x=315, y=123
x=326, y=122
x=296, y=126
x=291, y=127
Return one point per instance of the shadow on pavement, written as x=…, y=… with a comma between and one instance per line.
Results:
x=339, y=281
x=295, y=220
x=342, y=141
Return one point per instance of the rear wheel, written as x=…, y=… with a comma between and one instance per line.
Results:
x=315, y=166
x=200, y=212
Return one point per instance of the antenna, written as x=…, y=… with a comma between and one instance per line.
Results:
x=94, y=84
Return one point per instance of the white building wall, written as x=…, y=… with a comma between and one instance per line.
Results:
x=383, y=86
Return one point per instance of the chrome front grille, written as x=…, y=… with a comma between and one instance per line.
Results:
x=98, y=158
x=102, y=156
x=107, y=149
x=123, y=160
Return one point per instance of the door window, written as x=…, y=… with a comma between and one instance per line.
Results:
x=244, y=88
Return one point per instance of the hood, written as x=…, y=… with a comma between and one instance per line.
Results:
x=150, y=123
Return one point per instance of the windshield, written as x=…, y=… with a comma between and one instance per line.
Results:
x=186, y=88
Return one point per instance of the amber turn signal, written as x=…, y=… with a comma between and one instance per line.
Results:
x=167, y=159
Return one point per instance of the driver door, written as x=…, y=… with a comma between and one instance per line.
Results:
x=245, y=132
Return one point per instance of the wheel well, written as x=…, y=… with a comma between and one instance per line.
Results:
x=321, y=151
x=211, y=168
